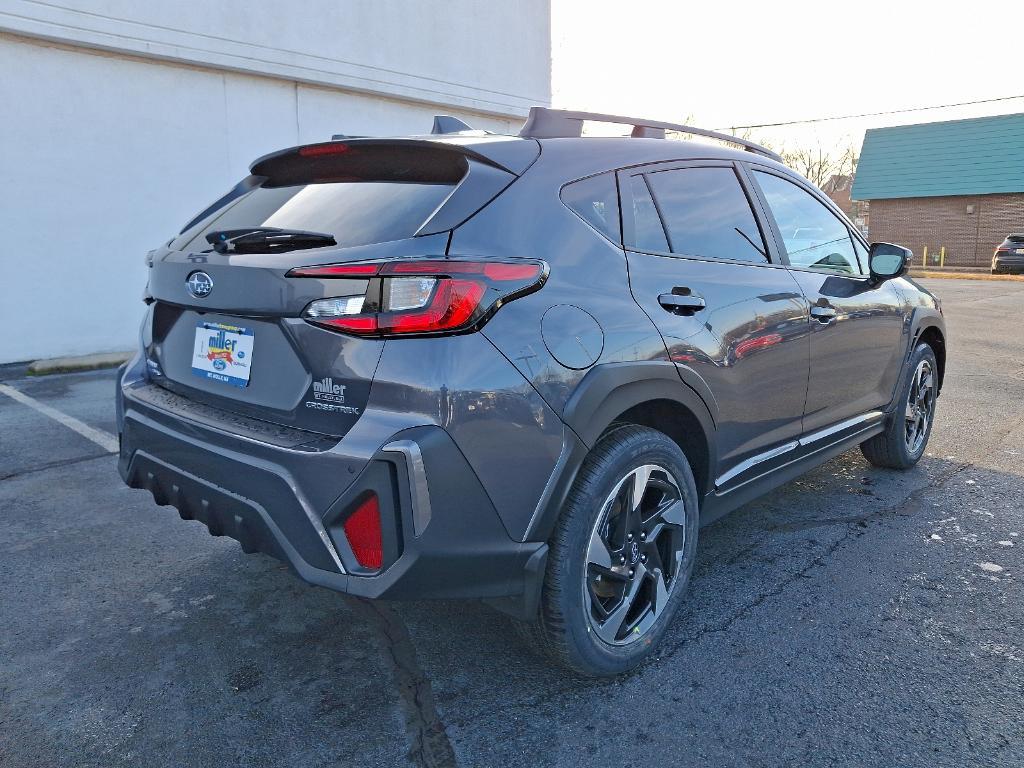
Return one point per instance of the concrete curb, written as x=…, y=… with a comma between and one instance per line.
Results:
x=964, y=275
x=80, y=363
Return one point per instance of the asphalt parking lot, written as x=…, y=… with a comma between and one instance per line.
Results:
x=855, y=617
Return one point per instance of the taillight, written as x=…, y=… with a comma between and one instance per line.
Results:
x=363, y=531
x=419, y=297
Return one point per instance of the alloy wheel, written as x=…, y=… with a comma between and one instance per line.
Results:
x=920, y=407
x=634, y=555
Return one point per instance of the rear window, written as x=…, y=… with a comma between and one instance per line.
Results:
x=361, y=193
x=356, y=213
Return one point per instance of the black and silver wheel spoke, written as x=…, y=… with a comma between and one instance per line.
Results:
x=634, y=552
x=919, y=406
x=611, y=627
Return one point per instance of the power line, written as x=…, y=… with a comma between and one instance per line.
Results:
x=871, y=114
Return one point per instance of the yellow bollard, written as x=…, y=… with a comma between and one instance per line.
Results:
x=924, y=259
x=942, y=257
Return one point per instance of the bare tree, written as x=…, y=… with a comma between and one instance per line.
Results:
x=848, y=159
x=815, y=163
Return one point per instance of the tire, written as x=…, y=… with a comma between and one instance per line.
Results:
x=902, y=445
x=584, y=622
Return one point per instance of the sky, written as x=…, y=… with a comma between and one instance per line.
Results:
x=723, y=64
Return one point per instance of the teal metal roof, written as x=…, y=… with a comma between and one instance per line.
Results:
x=980, y=156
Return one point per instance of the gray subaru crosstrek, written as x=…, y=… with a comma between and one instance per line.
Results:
x=523, y=369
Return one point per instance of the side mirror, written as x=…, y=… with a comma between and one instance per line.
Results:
x=887, y=261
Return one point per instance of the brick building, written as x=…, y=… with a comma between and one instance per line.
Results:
x=838, y=190
x=957, y=185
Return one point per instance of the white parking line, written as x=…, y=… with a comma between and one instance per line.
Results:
x=104, y=440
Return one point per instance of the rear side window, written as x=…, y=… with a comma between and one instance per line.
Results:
x=707, y=214
x=356, y=213
x=596, y=201
x=648, y=233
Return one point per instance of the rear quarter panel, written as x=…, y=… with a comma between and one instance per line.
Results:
x=587, y=271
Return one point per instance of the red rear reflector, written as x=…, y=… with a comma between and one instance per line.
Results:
x=362, y=529
x=319, y=150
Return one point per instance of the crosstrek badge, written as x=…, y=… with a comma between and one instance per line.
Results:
x=223, y=353
x=329, y=396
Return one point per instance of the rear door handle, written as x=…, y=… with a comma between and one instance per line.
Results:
x=823, y=314
x=682, y=305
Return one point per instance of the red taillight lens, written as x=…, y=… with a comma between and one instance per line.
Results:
x=452, y=306
x=358, y=324
x=423, y=297
x=362, y=529
x=336, y=270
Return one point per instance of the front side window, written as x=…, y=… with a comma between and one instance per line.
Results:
x=862, y=255
x=814, y=237
x=707, y=214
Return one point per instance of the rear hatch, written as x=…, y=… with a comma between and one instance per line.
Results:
x=231, y=328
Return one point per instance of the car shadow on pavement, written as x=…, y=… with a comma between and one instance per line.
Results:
x=143, y=641
x=785, y=589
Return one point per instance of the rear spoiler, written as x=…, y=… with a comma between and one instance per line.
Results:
x=510, y=154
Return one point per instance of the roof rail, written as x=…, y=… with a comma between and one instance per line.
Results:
x=545, y=123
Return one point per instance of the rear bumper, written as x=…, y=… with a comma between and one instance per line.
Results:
x=1008, y=263
x=442, y=538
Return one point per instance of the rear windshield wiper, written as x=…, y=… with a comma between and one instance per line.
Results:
x=267, y=240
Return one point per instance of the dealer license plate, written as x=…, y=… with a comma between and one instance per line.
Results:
x=223, y=353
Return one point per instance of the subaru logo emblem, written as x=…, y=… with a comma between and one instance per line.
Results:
x=199, y=284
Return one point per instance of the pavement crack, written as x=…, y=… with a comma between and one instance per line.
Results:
x=855, y=527
x=54, y=465
x=429, y=746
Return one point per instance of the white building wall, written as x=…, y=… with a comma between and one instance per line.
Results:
x=122, y=120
